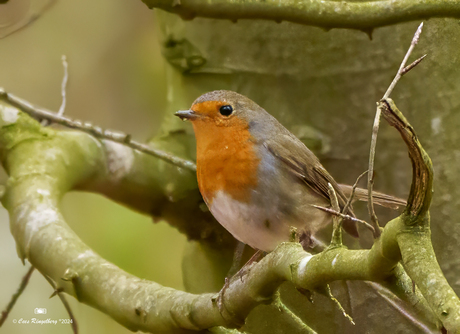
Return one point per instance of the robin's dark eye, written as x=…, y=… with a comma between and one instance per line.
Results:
x=226, y=110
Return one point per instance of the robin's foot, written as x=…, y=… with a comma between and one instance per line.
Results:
x=254, y=259
x=219, y=300
x=237, y=258
x=220, y=296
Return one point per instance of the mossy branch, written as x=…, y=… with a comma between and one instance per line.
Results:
x=421, y=191
x=362, y=15
x=414, y=238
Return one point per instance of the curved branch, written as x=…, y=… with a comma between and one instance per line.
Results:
x=43, y=164
x=414, y=238
x=421, y=191
x=362, y=15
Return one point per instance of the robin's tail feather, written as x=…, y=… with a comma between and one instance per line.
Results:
x=380, y=199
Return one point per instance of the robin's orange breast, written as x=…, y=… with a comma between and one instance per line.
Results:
x=226, y=159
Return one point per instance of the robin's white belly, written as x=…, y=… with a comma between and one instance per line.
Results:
x=257, y=227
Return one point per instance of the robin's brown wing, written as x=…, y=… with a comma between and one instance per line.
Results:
x=306, y=166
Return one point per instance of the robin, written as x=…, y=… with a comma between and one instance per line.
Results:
x=256, y=177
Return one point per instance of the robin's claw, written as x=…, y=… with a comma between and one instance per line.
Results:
x=219, y=299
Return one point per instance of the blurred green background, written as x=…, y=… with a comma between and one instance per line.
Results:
x=115, y=81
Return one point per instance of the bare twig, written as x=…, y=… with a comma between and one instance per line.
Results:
x=353, y=189
x=298, y=322
x=400, y=73
x=95, y=131
x=73, y=321
x=344, y=216
x=58, y=292
x=375, y=129
x=412, y=65
x=61, y=111
x=370, y=175
x=64, y=85
x=336, y=240
x=336, y=301
x=397, y=303
x=14, y=298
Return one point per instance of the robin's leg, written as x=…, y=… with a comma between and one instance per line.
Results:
x=237, y=256
x=236, y=263
x=255, y=258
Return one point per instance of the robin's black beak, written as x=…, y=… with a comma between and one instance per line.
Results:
x=186, y=114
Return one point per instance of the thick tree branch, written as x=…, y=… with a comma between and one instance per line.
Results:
x=363, y=15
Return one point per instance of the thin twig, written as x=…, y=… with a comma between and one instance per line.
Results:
x=400, y=73
x=375, y=129
x=353, y=189
x=73, y=321
x=64, y=85
x=61, y=111
x=14, y=298
x=298, y=322
x=396, y=302
x=118, y=137
x=412, y=65
x=336, y=220
x=344, y=216
x=58, y=292
x=370, y=175
x=336, y=301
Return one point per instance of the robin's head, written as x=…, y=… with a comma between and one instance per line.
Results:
x=221, y=108
x=222, y=121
